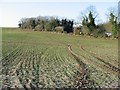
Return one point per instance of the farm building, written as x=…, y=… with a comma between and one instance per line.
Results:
x=77, y=30
x=59, y=29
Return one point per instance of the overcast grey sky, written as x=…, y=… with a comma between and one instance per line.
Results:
x=13, y=10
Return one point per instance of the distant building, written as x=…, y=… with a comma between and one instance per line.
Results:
x=59, y=29
x=77, y=29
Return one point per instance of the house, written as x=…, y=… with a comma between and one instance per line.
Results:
x=77, y=29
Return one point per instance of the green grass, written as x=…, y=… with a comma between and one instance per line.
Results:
x=44, y=58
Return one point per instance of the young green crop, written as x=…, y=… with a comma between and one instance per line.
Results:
x=43, y=60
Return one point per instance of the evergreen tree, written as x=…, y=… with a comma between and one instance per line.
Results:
x=113, y=21
x=89, y=22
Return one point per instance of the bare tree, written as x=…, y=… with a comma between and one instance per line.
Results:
x=113, y=10
x=86, y=12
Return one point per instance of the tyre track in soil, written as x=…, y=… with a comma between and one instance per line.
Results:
x=107, y=65
x=83, y=70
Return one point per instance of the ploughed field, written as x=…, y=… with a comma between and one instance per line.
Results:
x=32, y=59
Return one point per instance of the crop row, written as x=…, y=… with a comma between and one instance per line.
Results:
x=38, y=67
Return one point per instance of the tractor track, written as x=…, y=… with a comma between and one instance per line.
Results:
x=107, y=65
x=81, y=64
x=84, y=71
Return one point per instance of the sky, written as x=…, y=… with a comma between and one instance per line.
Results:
x=11, y=11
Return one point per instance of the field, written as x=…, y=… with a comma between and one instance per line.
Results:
x=33, y=59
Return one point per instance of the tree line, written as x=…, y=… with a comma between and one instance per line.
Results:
x=48, y=23
x=45, y=23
